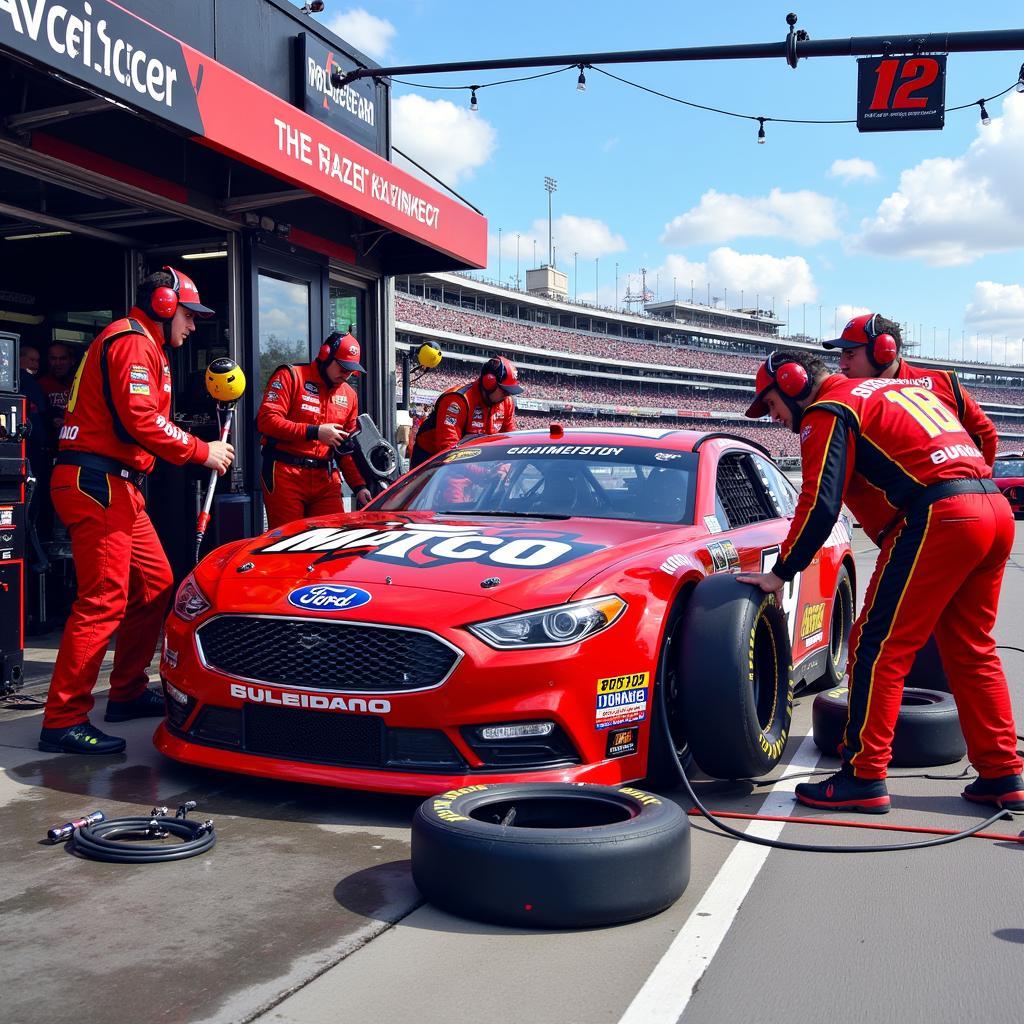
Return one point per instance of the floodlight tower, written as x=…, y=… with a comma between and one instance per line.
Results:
x=551, y=186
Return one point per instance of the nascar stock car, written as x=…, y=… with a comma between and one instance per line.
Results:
x=513, y=609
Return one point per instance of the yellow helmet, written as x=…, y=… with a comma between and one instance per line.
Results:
x=428, y=355
x=224, y=380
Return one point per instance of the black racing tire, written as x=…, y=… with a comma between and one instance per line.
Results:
x=927, y=729
x=662, y=768
x=927, y=672
x=736, y=684
x=838, y=654
x=569, y=857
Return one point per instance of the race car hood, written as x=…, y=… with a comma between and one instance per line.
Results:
x=521, y=563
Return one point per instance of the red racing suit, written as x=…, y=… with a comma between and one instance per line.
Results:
x=939, y=569
x=459, y=413
x=298, y=476
x=118, y=420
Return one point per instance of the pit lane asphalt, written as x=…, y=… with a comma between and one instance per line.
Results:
x=305, y=911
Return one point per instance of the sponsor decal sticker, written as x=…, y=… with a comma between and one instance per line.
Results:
x=328, y=597
x=667, y=456
x=421, y=546
x=622, y=742
x=621, y=707
x=138, y=374
x=712, y=523
x=614, y=684
x=811, y=623
x=138, y=389
x=462, y=454
x=724, y=556
x=674, y=562
x=314, y=701
x=564, y=449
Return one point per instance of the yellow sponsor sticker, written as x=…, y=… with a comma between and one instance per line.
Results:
x=460, y=454
x=613, y=684
x=813, y=617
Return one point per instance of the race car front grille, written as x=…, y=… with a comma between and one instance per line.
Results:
x=325, y=655
x=358, y=741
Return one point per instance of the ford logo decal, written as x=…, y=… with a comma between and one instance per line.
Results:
x=327, y=597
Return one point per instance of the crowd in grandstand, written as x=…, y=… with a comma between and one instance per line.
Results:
x=686, y=402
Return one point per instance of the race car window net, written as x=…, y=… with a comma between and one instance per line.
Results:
x=551, y=480
x=742, y=493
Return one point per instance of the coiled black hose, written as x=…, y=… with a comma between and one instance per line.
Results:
x=133, y=840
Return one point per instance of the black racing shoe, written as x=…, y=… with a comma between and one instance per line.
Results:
x=845, y=792
x=1007, y=792
x=148, y=704
x=84, y=738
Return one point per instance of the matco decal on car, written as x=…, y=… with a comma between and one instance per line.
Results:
x=328, y=597
x=462, y=453
x=674, y=563
x=316, y=701
x=422, y=547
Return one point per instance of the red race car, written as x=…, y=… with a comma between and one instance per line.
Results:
x=513, y=610
x=1008, y=473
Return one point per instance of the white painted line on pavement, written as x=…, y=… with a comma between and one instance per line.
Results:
x=668, y=989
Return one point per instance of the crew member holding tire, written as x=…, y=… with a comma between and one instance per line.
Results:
x=307, y=412
x=940, y=566
x=118, y=422
x=485, y=406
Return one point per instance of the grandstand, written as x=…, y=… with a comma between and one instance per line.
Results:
x=680, y=365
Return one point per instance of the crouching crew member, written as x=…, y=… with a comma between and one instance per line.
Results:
x=940, y=566
x=307, y=412
x=117, y=422
x=483, y=407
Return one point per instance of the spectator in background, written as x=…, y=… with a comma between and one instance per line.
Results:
x=60, y=375
x=28, y=360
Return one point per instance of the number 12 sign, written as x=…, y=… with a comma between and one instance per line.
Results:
x=901, y=94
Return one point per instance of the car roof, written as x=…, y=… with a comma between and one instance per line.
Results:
x=641, y=437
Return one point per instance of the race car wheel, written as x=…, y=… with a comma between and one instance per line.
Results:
x=927, y=729
x=736, y=690
x=839, y=635
x=550, y=855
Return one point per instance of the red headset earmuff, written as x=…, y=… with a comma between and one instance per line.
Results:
x=791, y=378
x=492, y=374
x=881, y=347
x=163, y=301
x=329, y=347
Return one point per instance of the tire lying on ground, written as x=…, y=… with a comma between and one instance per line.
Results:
x=735, y=678
x=550, y=855
x=927, y=729
x=927, y=672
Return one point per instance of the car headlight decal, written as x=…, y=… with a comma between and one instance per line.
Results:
x=190, y=602
x=551, y=627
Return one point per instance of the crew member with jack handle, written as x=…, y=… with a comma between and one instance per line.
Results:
x=225, y=382
x=939, y=569
x=118, y=422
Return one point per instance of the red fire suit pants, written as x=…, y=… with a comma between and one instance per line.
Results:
x=939, y=570
x=295, y=492
x=124, y=583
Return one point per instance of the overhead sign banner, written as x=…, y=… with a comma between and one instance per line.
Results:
x=112, y=51
x=901, y=94
x=351, y=110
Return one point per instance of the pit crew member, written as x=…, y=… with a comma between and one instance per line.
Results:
x=484, y=406
x=117, y=423
x=940, y=566
x=307, y=412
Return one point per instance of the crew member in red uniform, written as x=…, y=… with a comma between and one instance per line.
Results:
x=307, y=412
x=483, y=407
x=940, y=566
x=870, y=346
x=56, y=384
x=118, y=422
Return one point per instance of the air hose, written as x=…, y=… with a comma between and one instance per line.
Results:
x=137, y=840
x=779, y=844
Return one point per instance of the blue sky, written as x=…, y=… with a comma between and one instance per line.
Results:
x=925, y=227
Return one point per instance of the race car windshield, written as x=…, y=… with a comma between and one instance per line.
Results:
x=554, y=480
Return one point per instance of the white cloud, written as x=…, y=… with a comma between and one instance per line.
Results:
x=949, y=212
x=804, y=216
x=748, y=278
x=854, y=169
x=586, y=235
x=364, y=31
x=450, y=141
x=996, y=309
